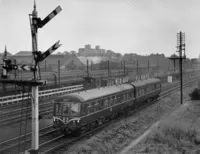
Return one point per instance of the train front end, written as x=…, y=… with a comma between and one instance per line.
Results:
x=66, y=115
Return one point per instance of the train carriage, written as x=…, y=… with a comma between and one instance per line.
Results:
x=91, y=106
x=146, y=90
x=87, y=109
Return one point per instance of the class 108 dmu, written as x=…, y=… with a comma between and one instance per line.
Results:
x=82, y=111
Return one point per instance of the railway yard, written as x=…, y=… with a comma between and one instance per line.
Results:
x=127, y=127
x=129, y=94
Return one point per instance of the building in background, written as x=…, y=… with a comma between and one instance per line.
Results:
x=90, y=52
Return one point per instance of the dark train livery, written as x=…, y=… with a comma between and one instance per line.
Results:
x=84, y=110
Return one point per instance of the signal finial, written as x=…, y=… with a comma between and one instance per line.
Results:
x=5, y=52
x=34, y=8
x=34, y=5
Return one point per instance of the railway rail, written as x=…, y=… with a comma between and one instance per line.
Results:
x=10, y=115
x=6, y=100
x=61, y=145
x=12, y=145
x=49, y=142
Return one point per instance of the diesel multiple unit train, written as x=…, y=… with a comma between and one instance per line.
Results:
x=82, y=111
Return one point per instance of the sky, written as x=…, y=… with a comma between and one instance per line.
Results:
x=124, y=26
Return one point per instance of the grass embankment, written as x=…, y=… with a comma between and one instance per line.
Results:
x=179, y=133
x=120, y=134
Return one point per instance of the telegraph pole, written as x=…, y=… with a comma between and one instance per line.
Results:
x=108, y=69
x=87, y=69
x=59, y=72
x=45, y=65
x=124, y=68
x=181, y=49
x=148, y=68
x=157, y=66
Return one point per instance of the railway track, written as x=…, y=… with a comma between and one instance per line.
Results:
x=51, y=142
x=64, y=144
x=12, y=145
x=7, y=100
x=12, y=116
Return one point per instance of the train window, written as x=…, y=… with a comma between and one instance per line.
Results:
x=130, y=95
x=93, y=108
x=96, y=106
x=113, y=100
x=119, y=98
x=106, y=102
x=103, y=103
x=99, y=105
x=57, y=109
x=158, y=86
x=84, y=109
x=124, y=97
x=71, y=109
x=89, y=108
x=138, y=92
x=109, y=101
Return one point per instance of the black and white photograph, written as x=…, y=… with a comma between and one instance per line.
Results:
x=99, y=77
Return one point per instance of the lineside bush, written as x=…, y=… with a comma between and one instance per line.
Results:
x=195, y=94
x=171, y=139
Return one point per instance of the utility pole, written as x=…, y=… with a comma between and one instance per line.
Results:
x=174, y=65
x=157, y=66
x=59, y=72
x=38, y=56
x=87, y=69
x=108, y=69
x=121, y=65
x=124, y=68
x=148, y=66
x=45, y=65
x=181, y=48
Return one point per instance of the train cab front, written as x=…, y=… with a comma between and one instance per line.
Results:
x=66, y=115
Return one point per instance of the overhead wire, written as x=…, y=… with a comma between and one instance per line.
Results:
x=139, y=6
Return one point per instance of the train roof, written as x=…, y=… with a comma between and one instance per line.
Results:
x=97, y=92
x=141, y=83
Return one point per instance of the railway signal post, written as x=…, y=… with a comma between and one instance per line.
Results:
x=35, y=23
x=181, y=49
